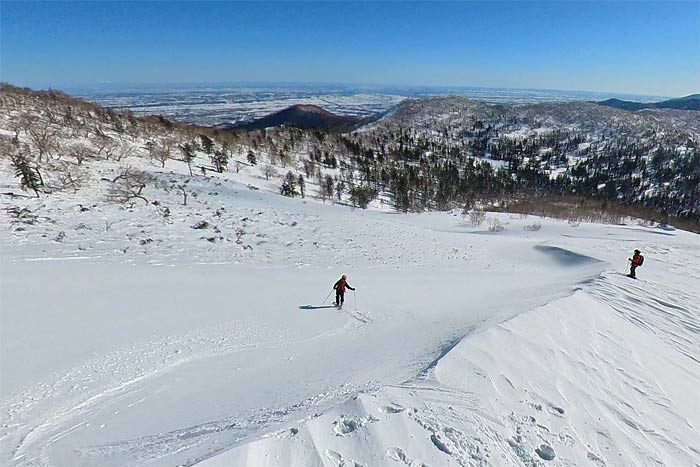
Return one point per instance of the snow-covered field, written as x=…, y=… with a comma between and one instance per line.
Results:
x=216, y=104
x=130, y=338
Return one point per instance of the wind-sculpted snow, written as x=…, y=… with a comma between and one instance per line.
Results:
x=191, y=323
x=565, y=257
x=173, y=350
x=163, y=334
x=605, y=377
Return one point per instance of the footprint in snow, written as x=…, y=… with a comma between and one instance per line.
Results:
x=595, y=458
x=440, y=444
x=338, y=460
x=344, y=426
x=546, y=452
x=398, y=455
x=391, y=409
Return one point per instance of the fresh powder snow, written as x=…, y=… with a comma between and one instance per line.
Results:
x=461, y=346
x=194, y=325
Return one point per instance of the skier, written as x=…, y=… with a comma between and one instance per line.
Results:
x=636, y=261
x=340, y=290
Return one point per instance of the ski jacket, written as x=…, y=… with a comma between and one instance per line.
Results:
x=637, y=260
x=341, y=284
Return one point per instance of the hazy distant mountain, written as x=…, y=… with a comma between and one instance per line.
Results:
x=308, y=117
x=691, y=102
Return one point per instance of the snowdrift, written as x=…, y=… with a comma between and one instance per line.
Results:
x=461, y=347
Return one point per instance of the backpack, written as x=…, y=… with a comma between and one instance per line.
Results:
x=641, y=260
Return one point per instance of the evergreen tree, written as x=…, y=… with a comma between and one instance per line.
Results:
x=220, y=160
x=30, y=178
x=252, y=160
x=362, y=195
x=289, y=185
x=207, y=144
x=188, y=155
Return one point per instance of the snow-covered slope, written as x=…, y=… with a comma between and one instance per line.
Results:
x=606, y=376
x=462, y=346
x=151, y=331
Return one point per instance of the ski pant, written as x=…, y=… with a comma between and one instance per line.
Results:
x=339, y=297
x=632, y=269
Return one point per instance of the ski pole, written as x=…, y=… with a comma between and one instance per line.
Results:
x=354, y=294
x=329, y=294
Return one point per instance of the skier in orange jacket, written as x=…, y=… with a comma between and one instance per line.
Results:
x=635, y=261
x=340, y=290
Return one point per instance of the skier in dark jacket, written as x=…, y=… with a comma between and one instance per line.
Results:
x=340, y=290
x=635, y=262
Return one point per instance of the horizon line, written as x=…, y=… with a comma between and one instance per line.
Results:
x=117, y=86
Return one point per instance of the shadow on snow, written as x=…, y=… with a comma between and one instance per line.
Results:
x=313, y=307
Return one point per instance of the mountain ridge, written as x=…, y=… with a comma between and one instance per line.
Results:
x=302, y=116
x=690, y=102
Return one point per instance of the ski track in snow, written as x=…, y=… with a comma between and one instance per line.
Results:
x=602, y=377
x=155, y=358
x=606, y=377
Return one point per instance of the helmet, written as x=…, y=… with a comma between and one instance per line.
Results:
x=344, y=276
x=637, y=251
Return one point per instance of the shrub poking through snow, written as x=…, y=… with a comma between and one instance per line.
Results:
x=129, y=185
x=495, y=225
x=477, y=218
x=200, y=225
x=534, y=227
x=269, y=171
x=239, y=232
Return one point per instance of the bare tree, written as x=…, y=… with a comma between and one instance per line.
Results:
x=8, y=146
x=150, y=147
x=44, y=138
x=183, y=189
x=326, y=188
x=161, y=155
x=123, y=150
x=285, y=158
x=129, y=185
x=66, y=176
x=105, y=145
x=161, y=151
x=269, y=171
x=80, y=152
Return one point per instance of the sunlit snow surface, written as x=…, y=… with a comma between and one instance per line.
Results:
x=129, y=337
x=134, y=339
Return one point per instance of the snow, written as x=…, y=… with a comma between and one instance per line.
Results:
x=129, y=337
x=497, y=164
x=605, y=376
x=461, y=347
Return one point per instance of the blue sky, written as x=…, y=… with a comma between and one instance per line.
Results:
x=626, y=47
